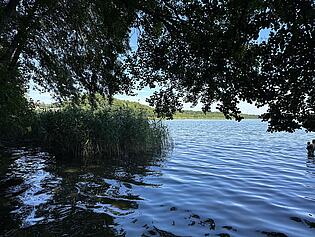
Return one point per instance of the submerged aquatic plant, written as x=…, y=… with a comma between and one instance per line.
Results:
x=107, y=132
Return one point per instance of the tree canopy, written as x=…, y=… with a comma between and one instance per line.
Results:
x=195, y=51
x=69, y=46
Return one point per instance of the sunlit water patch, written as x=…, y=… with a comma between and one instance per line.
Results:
x=222, y=178
x=29, y=186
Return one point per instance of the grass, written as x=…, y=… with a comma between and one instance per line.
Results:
x=85, y=134
x=125, y=129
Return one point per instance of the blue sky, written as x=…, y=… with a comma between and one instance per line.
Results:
x=146, y=92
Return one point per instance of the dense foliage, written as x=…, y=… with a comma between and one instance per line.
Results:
x=209, y=51
x=79, y=133
x=16, y=112
x=195, y=51
x=67, y=46
x=149, y=111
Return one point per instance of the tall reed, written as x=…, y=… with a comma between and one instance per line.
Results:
x=79, y=133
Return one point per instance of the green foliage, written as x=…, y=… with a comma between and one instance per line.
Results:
x=16, y=112
x=79, y=133
x=103, y=102
x=195, y=51
x=189, y=114
x=210, y=51
x=68, y=46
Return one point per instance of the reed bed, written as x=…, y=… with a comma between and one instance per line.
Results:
x=86, y=134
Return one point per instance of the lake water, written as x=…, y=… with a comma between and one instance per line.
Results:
x=221, y=178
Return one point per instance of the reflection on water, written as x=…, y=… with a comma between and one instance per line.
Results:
x=39, y=196
x=221, y=179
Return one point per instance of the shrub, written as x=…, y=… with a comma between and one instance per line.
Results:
x=79, y=133
x=16, y=112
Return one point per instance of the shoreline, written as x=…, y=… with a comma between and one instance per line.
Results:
x=216, y=118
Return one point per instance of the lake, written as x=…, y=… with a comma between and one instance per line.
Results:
x=219, y=178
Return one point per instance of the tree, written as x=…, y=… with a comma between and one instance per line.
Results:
x=15, y=109
x=207, y=51
x=68, y=46
x=196, y=51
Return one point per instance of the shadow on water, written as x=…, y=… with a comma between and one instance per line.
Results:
x=39, y=197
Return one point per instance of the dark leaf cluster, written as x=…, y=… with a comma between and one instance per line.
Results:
x=205, y=51
x=212, y=52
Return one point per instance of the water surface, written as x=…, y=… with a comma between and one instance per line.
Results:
x=221, y=178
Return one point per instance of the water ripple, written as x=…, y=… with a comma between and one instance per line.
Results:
x=222, y=178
